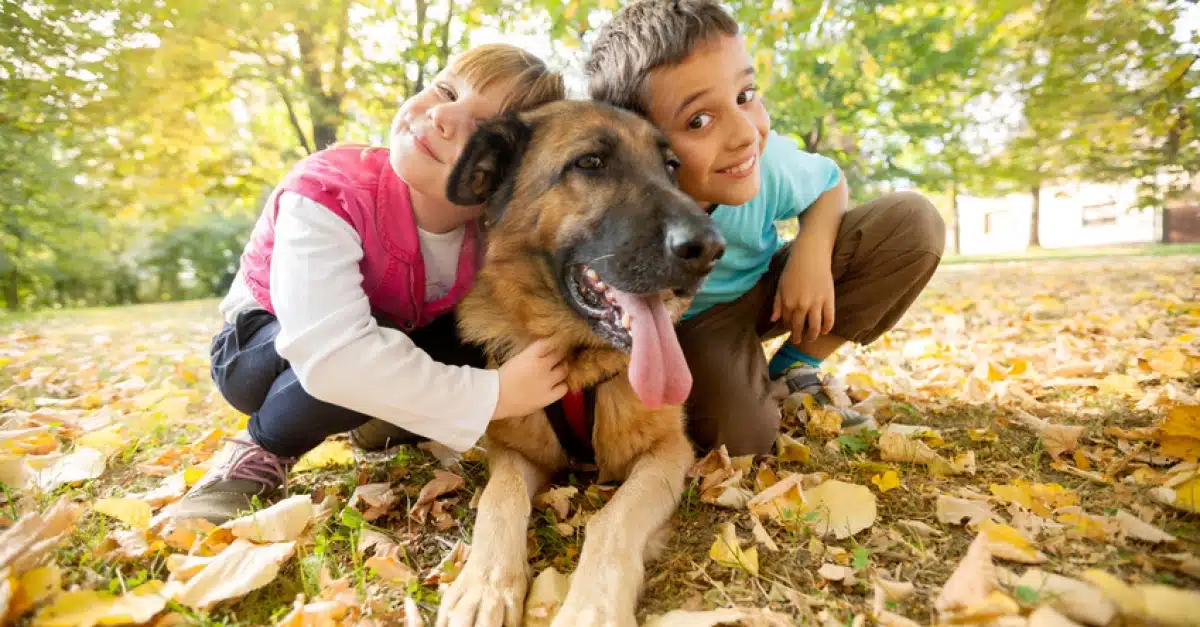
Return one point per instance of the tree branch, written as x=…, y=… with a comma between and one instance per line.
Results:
x=295, y=121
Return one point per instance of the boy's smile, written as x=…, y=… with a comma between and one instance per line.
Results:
x=709, y=109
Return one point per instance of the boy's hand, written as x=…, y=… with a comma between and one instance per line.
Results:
x=533, y=379
x=805, y=296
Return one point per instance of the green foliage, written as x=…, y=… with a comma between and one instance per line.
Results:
x=139, y=138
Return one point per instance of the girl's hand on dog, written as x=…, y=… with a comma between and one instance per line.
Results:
x=533, y=379
x=805, y=297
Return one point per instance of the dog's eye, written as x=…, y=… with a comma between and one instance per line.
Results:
x=589, y=162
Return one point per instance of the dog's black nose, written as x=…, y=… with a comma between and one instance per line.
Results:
x=696, y=243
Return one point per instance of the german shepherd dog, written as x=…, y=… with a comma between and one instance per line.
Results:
x=592, y=245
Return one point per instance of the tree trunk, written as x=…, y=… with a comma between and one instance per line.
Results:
x=955, y=218
x=12, y=291
x=419, y=86
x=324, y=104
x=444, y=49
x=1035, y=240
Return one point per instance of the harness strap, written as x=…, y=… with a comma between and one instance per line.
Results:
x=573, y=418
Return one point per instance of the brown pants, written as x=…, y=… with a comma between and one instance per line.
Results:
x=885, y=253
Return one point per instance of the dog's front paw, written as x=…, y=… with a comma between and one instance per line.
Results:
x=591, y=613
x=487, y=593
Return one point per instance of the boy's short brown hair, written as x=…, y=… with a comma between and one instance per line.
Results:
x=645, y=35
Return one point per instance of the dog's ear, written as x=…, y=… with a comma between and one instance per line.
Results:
x=490, y=157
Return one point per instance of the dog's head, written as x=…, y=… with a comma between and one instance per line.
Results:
x=590, y=191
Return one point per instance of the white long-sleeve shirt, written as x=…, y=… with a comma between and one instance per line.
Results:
x=339, y=353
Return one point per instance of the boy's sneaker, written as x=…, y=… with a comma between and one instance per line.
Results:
x=807, y=379
x=376, y=435
x=246, y=470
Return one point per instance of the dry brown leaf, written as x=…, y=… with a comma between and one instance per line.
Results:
x=442, y=483
x=728, y=493
x=712, y=618
x=781, y=502
x=451, y=565
x=1136, y=528
x=971, y=584
x=834, y=572
x=1183, y=562
x=716, y=459
x=761, y=535
x=390, y=569
x=897, y=447
x=172, y=488
x=26, y=542
x=1060, y=439
x=1076, y=599
x=282, y=522
x=82, y=464
x=125, y=544
x=921, y=529
x=239, y=569
x=379, y=498
x=447, y=457
x=840, y=508
x=1155, y=604
x=557, y=499
x=956, y=511
x=894, y=590
x=1047, y=617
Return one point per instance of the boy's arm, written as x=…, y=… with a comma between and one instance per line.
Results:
x=819, y=224
x=805, y=298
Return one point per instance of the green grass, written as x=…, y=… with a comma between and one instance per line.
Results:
x=1045, y=254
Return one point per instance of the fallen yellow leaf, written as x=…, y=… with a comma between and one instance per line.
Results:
x=33, y=587
x=84, y=608
x=1007, y=543
x=889, y=480
x=788, y=449
x=1040, y=498
x=1120, y=384
x=726, y=551
x=133, y=512
x=546, y=595
x=781, y=501
x=840, y=508
x=327, y=454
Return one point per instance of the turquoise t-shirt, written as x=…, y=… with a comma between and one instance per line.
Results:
x=792, y=179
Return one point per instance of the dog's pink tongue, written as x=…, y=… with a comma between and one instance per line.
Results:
x=657, y=369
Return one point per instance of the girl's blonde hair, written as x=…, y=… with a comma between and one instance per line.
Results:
x=534, y=84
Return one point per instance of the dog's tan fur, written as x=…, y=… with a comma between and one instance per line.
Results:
x=515, y=302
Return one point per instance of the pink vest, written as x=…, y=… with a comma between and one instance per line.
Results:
x=364, y=191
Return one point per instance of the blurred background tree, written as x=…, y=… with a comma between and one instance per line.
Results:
x=139, y=138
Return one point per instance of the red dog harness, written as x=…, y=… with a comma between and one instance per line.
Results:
x=573, y=418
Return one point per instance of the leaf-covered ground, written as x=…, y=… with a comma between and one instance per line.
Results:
x=1043, y=414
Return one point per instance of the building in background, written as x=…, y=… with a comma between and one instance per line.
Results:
x=1073, y=215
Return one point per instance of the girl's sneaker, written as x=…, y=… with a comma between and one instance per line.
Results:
x=246, y=470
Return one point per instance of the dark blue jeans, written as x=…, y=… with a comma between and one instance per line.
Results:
x=285, y=419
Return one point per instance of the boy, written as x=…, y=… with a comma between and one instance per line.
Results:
x=683, y=65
